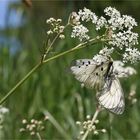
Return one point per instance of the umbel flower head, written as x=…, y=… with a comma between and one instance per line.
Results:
x=118, y=29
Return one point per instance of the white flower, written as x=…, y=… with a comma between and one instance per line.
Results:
x=103, y=55
x=24, y=121
x=125, y=38
x=49, y=32
x=98, y=59
x=132, y=55
x=78, y=123
x=87, y=15
x=80, y=32
x=115, y=23
x=81, y=132
x=96, y=132
x=88, y=116
x=59, y=20
x=103, y=130
x=106, y=51
x=61, y=36
x=118, y=21
x=101, y=22
x=112, y=12
x=96, y=121
x=3, y=110
x=129, y=22
x=50, y=20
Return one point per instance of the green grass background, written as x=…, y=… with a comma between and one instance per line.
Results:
x=53, y=87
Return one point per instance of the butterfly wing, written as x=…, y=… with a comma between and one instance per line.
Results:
x=112, y=97
x=90, y=73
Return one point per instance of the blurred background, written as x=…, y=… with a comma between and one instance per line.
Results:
x=22, y=33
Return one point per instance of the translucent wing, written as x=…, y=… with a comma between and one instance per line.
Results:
x=90, y=73
x=112, y=97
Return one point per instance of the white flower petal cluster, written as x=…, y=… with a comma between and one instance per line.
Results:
x=80, y=31
x=118, y=21
x=101, y=23
x=83, y=15
x=122, y=26
x=118, y=29
x=98, y=59
x=125, y=38
x=129, y=22
x=106, y=51
x=87, y=15
x=120, y=71
x=112, y=12
x=3, y=110
x=103, y=55
x=132, y=55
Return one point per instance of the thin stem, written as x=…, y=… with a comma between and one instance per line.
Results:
x=48, y=49
x=38, y=135
x=92, y=122
x=80, y=46
x=20, y=83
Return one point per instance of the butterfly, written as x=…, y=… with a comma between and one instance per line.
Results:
x=100, y=76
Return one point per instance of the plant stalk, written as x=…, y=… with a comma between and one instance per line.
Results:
x=20, y=83
x=38, y=135
x=92, y=122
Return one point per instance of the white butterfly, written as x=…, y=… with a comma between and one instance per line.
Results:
x=100, y=76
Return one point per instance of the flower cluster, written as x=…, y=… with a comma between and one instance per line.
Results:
x=112, y=12
x=87, y=125
x=106, y=51
x=56, y=27
x=33, y=126
x=125, y=38
x=87, y=15
x=80, y=31
x=117, y=21
x=118, y=28
x=131, y=54
x=103, y=55
x=102, y=22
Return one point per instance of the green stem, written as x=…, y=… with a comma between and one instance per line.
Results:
x=20, y=83
x=38, y=135
x=80, y=46
x=92, y=122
